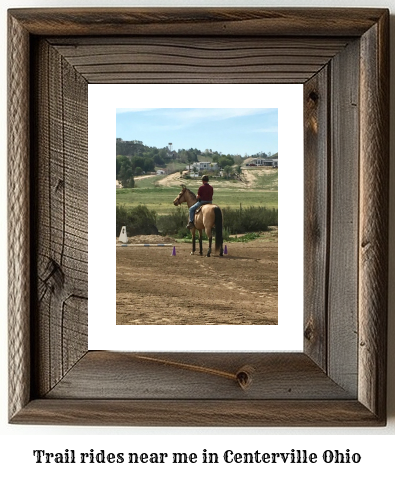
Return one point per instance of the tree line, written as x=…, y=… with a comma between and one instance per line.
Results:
x=133, y=158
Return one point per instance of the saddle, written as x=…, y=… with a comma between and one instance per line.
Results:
x=200, y=207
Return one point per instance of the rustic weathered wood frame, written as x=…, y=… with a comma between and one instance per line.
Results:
x=341, y=57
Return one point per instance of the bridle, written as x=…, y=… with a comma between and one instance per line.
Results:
x=179, y=197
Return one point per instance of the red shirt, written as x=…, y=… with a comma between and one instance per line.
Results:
x=206, y=192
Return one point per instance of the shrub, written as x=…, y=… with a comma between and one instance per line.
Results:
x=251, y=219
x=236, y=221
x=174, y=223
x=138, y=220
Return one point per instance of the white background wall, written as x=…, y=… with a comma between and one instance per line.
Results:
x=18, y=442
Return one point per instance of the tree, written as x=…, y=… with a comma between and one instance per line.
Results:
x=225, y=161
x=125, y=176
x=158, y=160
x=149, y=165
x=228, y=171
x=183, y=155
x=138, y=162
x=164, y=154
x=119, y=161
x=191, y=158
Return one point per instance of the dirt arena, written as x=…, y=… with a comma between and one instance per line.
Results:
x=156, y=288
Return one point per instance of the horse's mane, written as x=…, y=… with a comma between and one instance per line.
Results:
x=190, y=192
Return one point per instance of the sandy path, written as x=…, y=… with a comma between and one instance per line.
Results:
x=156, y=288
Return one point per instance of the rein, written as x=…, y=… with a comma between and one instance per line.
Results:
x=182, y=193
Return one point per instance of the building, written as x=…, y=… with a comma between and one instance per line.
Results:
x=264, y=162
x=205, y=166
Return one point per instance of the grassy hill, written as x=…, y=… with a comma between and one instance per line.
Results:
x=258, y=187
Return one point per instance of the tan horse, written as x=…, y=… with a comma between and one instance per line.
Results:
x=207, y=217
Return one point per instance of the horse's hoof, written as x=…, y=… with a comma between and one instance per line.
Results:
x=192, y=253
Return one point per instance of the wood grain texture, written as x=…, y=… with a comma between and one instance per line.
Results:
x=373, y=234
x=18, y=218
x=201, y=413
x=196, y=375
x=191, y=59
x=343, y=262
x=347, y=226
x=61, y=206
x=316, y=215
x=260, y=22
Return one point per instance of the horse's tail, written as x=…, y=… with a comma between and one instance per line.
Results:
x=218, y=228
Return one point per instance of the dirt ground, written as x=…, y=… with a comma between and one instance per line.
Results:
x=249, y=179
x=155, y=287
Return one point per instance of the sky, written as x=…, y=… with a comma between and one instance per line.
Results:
x=226, y=130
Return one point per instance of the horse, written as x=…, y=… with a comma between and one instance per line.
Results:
x=206, y=217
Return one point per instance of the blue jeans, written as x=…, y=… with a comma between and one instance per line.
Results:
x=193, y=208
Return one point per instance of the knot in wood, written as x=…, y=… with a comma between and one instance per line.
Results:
x=244, y=376
x=313, y=96
x=308, y=332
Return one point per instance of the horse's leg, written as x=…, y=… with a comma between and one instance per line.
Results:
x=200, y=242
x=210, y=240
x=193, y=241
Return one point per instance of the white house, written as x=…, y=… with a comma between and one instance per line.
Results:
x=205, y=166
x=264, y=162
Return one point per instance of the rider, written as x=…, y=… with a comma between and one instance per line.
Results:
x=204, y=196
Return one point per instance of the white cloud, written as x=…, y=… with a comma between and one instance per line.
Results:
x=198, y=114
x=214, y=114
x=180, y=118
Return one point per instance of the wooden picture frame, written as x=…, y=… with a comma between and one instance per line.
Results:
x=342, y=58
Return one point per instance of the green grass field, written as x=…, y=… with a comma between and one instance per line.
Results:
x=159, y=199
x=226, y=193
x=149, y=182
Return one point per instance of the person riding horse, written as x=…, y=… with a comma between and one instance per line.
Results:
x=204, y=196
x=204, y=219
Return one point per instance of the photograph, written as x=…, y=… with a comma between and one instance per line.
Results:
x=63, y=276
x=197, y=216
